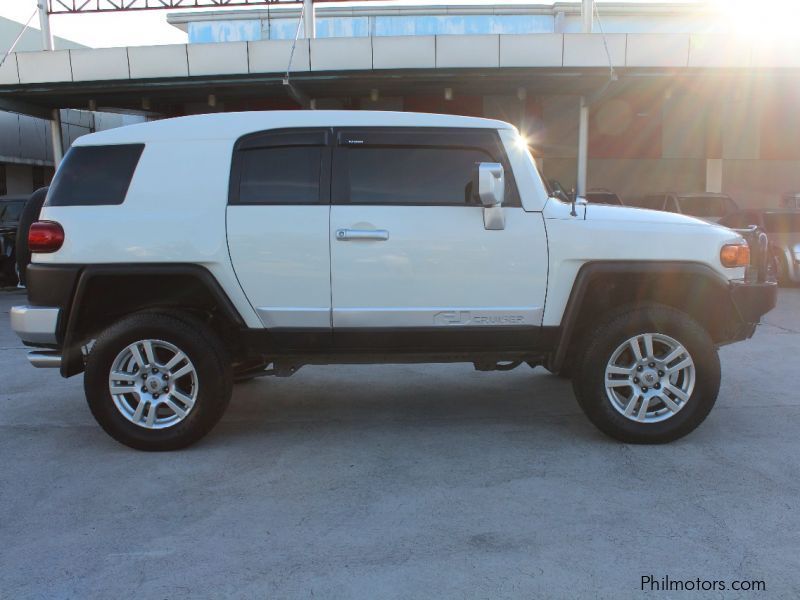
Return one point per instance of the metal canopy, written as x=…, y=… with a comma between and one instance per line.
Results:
x=67, y=7
x=56, y=7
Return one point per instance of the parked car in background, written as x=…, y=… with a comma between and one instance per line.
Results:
x=791, y=200
x=783, y=229
x=602, y=196
x=708, y=206
x=10, y=210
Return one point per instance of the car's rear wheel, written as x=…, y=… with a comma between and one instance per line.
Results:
x=648, y=375
x=158, y=382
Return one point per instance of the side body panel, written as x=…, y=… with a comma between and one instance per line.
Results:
x=611, y=233
x=281, y=257
x=174, y=212
x=439, y=267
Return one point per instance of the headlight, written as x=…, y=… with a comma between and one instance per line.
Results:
x=735, y=255
x=796, y=252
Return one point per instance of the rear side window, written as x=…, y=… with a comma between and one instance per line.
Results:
x=94, y=175
x=287, y=175
x=281, y=166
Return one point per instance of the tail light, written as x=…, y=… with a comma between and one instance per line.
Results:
x=45, y=236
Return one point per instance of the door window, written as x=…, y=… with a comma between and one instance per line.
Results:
x=414, y=167
x=411, y=175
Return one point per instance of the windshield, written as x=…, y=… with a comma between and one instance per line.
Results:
x=9, y=212
x=782, y=222
x=706, y=206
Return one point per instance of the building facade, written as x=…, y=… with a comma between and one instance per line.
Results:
x=26, y=145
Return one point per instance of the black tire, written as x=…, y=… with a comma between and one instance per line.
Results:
x=8, y=276
x=613, y=331
x=30, y=214
x=202, y=346
x=781, y=270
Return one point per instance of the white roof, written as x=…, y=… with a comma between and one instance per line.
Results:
x=223, y=126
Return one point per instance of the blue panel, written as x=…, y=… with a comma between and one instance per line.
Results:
x=203, y=32
x=462, y=24
x=283, y=29
x=342, y=27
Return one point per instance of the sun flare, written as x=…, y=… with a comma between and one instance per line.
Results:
x=764, y=18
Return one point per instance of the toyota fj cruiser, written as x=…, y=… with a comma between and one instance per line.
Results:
x=175, y=257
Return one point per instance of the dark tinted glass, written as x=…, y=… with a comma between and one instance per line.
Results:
x=782, y=222
x=288, y=175
x=380, y=175
x=10, y=211
x=94, y=175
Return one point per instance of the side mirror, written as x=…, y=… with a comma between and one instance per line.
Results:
x=491, y=188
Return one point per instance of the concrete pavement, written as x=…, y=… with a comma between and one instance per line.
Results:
x=405, y=481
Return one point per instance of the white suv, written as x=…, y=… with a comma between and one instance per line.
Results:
x=175, y=257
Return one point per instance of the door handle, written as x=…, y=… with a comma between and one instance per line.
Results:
x=346, y=235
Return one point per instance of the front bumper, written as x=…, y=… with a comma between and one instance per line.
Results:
x=35, y=325
x=750, y=301
x=754, y=300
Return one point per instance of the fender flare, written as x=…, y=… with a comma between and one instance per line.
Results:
x=76, y=288
x=591, y=270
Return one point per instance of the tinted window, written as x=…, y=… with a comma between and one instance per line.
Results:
x=10, y=211
x=381, y=175
x=94, y=175
x=782, y=222
x=707, y=206
x=280, y=175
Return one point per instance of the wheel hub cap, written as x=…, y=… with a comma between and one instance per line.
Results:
x=153, y=384
x=649, y=378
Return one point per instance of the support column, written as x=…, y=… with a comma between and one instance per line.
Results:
x=55, y=118
x=587, y=20
x=587, y=16
x=583, y=147
x=714, y=175
x=309, y=19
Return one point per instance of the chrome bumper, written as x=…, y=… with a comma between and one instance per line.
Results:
x=35, y=324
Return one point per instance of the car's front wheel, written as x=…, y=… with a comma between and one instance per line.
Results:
x=157, y=381
x=648, y=375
